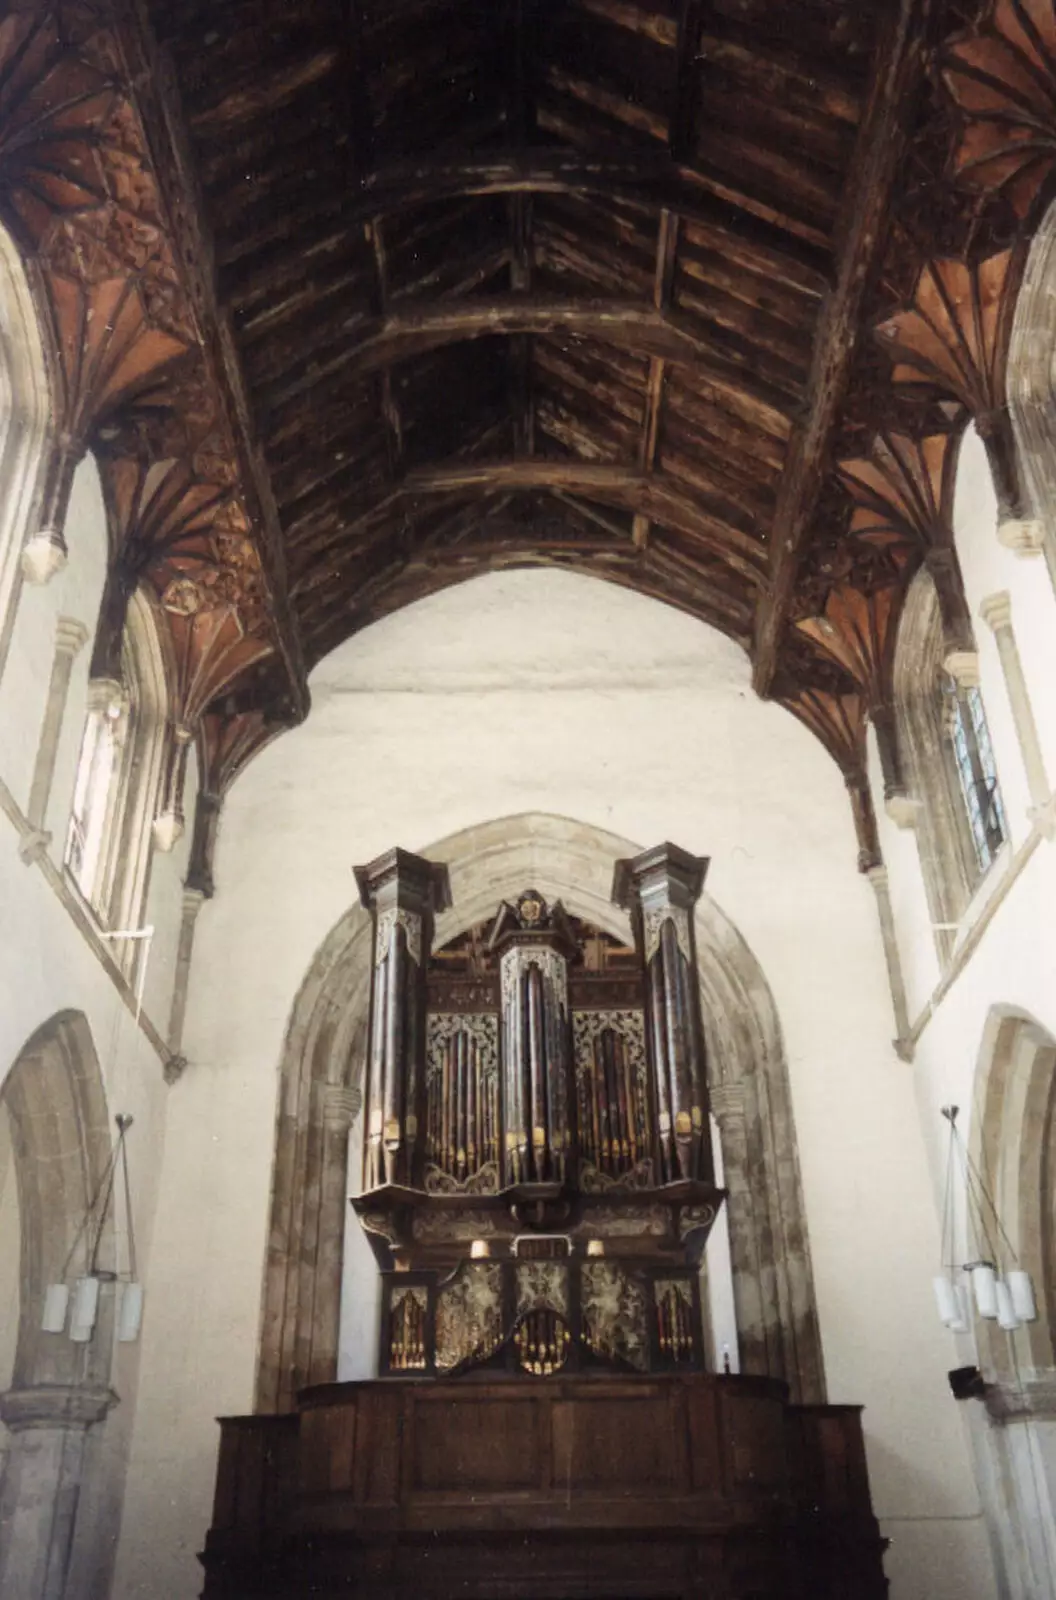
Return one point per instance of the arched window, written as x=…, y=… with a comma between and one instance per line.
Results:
x=24, y=413
x=949, y=764
x=119, y=775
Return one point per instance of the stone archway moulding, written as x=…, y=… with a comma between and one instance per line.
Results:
x=60, y=1137
x=319, y=1098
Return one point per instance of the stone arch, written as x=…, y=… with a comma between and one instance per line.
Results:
x=60, y=1139
x=319, y=1098
x=25, y=409
x=1029, y=383
x=1014, y=1146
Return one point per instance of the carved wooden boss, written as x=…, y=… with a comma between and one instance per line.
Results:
x=537, y=1169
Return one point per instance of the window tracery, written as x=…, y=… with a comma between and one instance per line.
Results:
x=951, y=773
x=118, y=779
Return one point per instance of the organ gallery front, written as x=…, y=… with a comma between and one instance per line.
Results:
x=538, y=1187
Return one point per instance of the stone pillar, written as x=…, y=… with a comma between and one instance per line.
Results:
x=660, y=888
x=70, y=638
x=203, y=842
x=996, y=612
x=42, y=1483
x=340, y=1107
x=403, y=893
x=959, y=655
x=881, y=888
x=193, y=900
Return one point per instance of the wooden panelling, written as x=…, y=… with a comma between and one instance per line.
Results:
x=492, y=1446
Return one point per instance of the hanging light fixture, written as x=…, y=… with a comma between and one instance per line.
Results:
x=82, y=1306
x=1005, y=1297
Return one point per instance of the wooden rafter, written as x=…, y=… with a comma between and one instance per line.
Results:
x=882, y=137
x=376, y=343
x=650, y=182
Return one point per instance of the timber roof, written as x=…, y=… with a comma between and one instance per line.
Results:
x=522, y=280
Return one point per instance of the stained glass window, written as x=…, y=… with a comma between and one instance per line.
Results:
x=976, y=772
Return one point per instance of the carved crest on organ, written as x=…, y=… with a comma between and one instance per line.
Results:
x=536, y=1099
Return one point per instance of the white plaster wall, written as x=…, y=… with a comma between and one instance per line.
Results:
x=46, y=963
x=543, y=691
x=1014, y=966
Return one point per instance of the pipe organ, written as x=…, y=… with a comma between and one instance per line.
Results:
x=538, y=1188
x=538, y=1182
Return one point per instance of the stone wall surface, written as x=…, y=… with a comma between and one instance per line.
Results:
x=539, y=692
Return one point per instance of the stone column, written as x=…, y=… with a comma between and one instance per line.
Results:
x=193, y=900
x=42, y=1483
x=882, y=889
x=996, y=612
x=660, y=888
x=70, y=638
x=340, y=1106
x=403, y=893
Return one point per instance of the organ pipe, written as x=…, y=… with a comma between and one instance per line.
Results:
x=403, y=892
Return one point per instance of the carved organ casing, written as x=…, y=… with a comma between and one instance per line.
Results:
x=538, y=1182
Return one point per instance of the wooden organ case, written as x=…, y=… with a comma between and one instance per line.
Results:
x=538, y=1176
x=538, y=1187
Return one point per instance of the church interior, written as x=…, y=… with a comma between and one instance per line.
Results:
x=527, y=811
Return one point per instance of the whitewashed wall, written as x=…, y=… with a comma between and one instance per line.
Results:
x=542, y=691
x=1013, y=969
x=47, y=964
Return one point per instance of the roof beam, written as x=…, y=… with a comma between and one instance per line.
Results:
x=158, y=106
x=654, y=182
x=648, y=494
x=897, y=77
x=730, y=361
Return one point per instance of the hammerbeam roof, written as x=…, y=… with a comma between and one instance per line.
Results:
x=355, y=298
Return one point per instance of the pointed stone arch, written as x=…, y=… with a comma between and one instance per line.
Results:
x=319, y=1099
x=55, y=1103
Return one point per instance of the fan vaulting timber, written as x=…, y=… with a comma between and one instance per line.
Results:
x=354, y=299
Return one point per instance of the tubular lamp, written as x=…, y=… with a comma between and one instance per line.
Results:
x=1006, y=1316
x=85, y=1309
x=56, y=1304
x=1022, y=1291
x=984, y=1287
x=130, y=1315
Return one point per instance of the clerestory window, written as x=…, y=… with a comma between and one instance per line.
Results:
x=973, y=757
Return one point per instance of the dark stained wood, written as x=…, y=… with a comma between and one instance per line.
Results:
x=882, y=140
x=594, y=1487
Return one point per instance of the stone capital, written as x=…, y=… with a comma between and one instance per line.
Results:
x=193, y=901
x=726, y=1101
x=105, y=694
x=903, y=811
x=996, y=610
x=1018, y=1402
x=1024, y=536
x=56, y=1405
x=340, y=1105
x=71, y=636
x=878, y=878
x=963, y=667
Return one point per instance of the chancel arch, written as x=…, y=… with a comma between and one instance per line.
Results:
x=321, y=1090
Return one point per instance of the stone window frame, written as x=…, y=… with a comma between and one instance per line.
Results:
x=25, y=413
x=117, y=894
x=949, y=860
